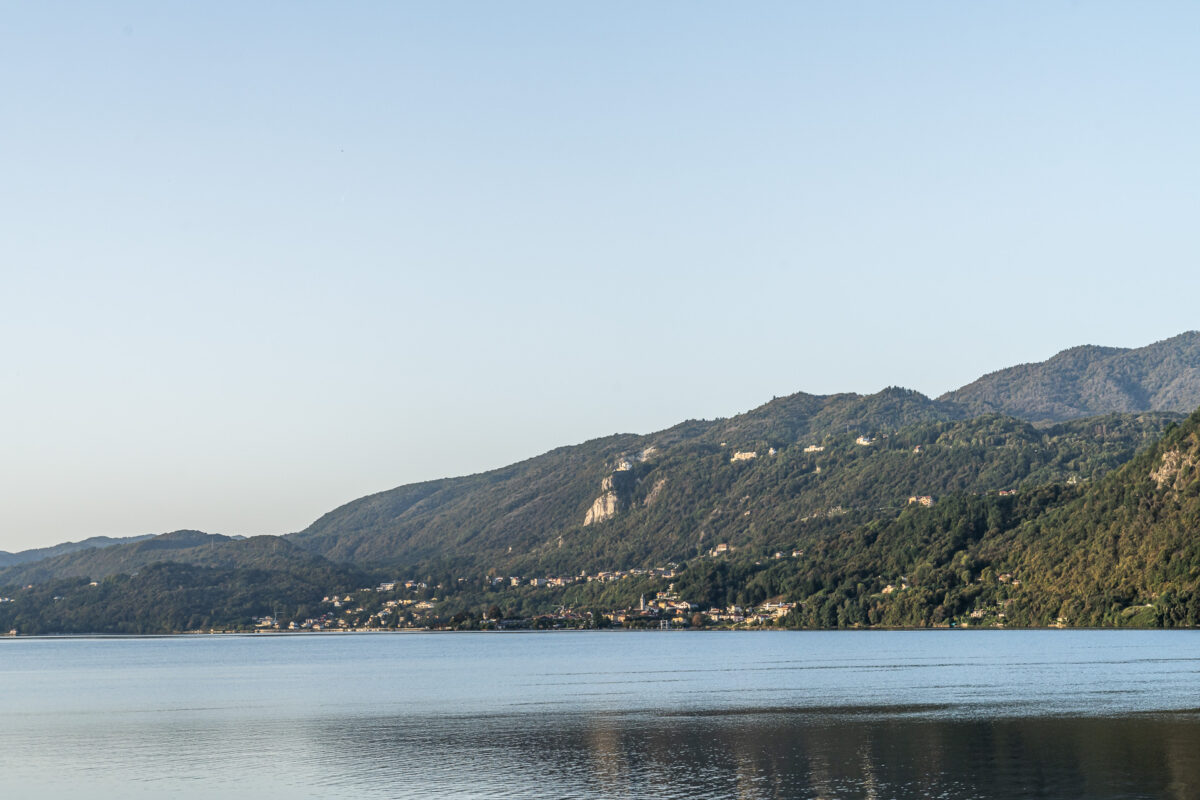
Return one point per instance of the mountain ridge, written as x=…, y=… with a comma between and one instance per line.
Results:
x=1089, y=379
x=8, y=559
x=191, y=547
x=886, y=486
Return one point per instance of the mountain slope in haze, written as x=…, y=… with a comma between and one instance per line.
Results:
x=1089, y=380
x=171, y=597
x=37, y=554
x=180, y=581
x=193, y=548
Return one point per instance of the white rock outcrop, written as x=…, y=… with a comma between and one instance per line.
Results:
x=1175, y=471
x=605, y=506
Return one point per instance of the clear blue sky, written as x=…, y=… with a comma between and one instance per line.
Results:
x=259, y=259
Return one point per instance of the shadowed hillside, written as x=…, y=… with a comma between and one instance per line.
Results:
x=40, y=553
x=1089, y=380
x=180, y=547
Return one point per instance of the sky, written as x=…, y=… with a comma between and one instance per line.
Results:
x=260, y=259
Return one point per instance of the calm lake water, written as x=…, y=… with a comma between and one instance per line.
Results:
x=948, y=714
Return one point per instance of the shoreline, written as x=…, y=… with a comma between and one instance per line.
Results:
x=528, y=631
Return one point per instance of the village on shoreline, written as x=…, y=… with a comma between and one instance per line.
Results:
x=414, y=605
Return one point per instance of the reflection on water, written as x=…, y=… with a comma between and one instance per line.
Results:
x=594, y=715
x=756, y=756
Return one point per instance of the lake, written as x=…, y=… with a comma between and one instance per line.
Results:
x=937, y=714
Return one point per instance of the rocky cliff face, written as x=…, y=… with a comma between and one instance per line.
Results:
x=1176, y=470
x=615, y=493
x=605, y=506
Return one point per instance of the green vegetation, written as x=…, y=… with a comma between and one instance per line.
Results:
x=183, y=547
x=882, y=510
x=1124, y=551
x=1084, y=381
x=1016, y=535
x=40, y=553
x=168, y=598
x=682, y=494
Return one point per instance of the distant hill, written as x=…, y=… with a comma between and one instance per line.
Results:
x=170, y=597
x=193, y=548
x=27, y=556
x=1089, y=380
x=180, y=581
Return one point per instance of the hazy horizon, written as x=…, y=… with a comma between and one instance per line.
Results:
x=261, y=261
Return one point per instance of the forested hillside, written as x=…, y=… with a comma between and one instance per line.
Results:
x=41, y=553
x=851, y=510
x=181, y=547
x=1123, y=550
x=169, y=597
x=186, y=580
x=674, y=495
x=518, y=513
x=1089, y=380
x=1126, y=551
